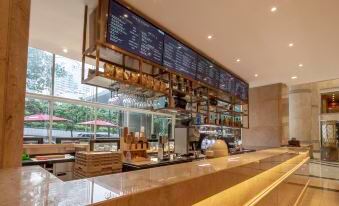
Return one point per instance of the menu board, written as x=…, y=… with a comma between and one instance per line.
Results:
x=226, y=81
x=179, y=57
x=241, y=89
x=207, y=72
x=132, y=33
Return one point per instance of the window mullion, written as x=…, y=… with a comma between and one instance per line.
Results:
x=51, y=102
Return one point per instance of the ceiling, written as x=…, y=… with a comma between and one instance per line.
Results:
x=240, y=29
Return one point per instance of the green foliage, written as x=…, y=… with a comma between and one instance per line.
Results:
x=36, y=107
x=73, y=113
x=160, y=126
x=39, y=70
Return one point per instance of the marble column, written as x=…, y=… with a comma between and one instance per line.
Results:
x=268, y=111
x=14, y=29
x=300, y=114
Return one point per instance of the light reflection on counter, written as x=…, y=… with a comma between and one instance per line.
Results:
x=36, y=186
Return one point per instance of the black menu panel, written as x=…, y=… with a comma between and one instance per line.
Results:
x=132, y=33
x=207, y=72
x=241, y=89
x=226, y=82
x=179, y=57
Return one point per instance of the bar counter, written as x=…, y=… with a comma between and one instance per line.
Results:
x=182, y=184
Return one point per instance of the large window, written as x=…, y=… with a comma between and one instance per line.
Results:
x=109, y=122
x=39, y=71
x=138, y=122
x=36, y=122
x=74, y=120
x=68, y=80
x=160, y=125
x=60, y=107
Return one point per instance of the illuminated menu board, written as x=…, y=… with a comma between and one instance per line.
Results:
x=132, y=33
x=226, y=82
x=241, y=89
x=207, y=72
x=178, y=57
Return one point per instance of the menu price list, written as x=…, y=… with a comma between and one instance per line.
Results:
x=241, y=89
x=207, y=72
x=226, y=81
x=179, y=57
x=132, y=33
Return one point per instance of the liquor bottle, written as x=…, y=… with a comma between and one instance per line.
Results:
x=206, y=120
x=183, y=85
x=198, y=119
x=188, y=89
x=166, y=103
x=179, y=83
x=174, y=82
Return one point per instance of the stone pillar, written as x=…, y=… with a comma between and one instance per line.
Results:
x=268, y=117
x=14, y=29
x=300, y=114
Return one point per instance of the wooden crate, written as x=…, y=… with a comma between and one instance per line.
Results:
x=90, y=164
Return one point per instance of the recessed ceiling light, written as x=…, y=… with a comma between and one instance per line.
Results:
x=209, y=37
x=290, y=44
x=238, y=60
x=65, y=50
x=125, y=15
x=274, y=9
x=300, y=65
x=294, y=77
x=256, y=75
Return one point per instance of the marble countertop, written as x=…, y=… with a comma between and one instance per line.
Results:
x=33, y=185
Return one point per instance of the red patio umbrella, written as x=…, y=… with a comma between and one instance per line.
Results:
x=100, y=123
x=42, y=117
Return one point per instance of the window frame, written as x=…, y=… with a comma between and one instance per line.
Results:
x=52, y=99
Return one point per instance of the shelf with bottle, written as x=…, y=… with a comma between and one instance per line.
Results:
x=129, y=74
x=173, y=110
x=136, y=67
x=215, y=125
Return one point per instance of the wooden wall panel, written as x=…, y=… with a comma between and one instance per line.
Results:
x=14, y=29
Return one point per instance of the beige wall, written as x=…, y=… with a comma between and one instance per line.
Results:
x=268, y=117
x=278, y=112
x=304, y=111
x=310, y=126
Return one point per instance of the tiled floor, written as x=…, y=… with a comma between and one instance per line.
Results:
x=323, y=189
x=320, y=197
